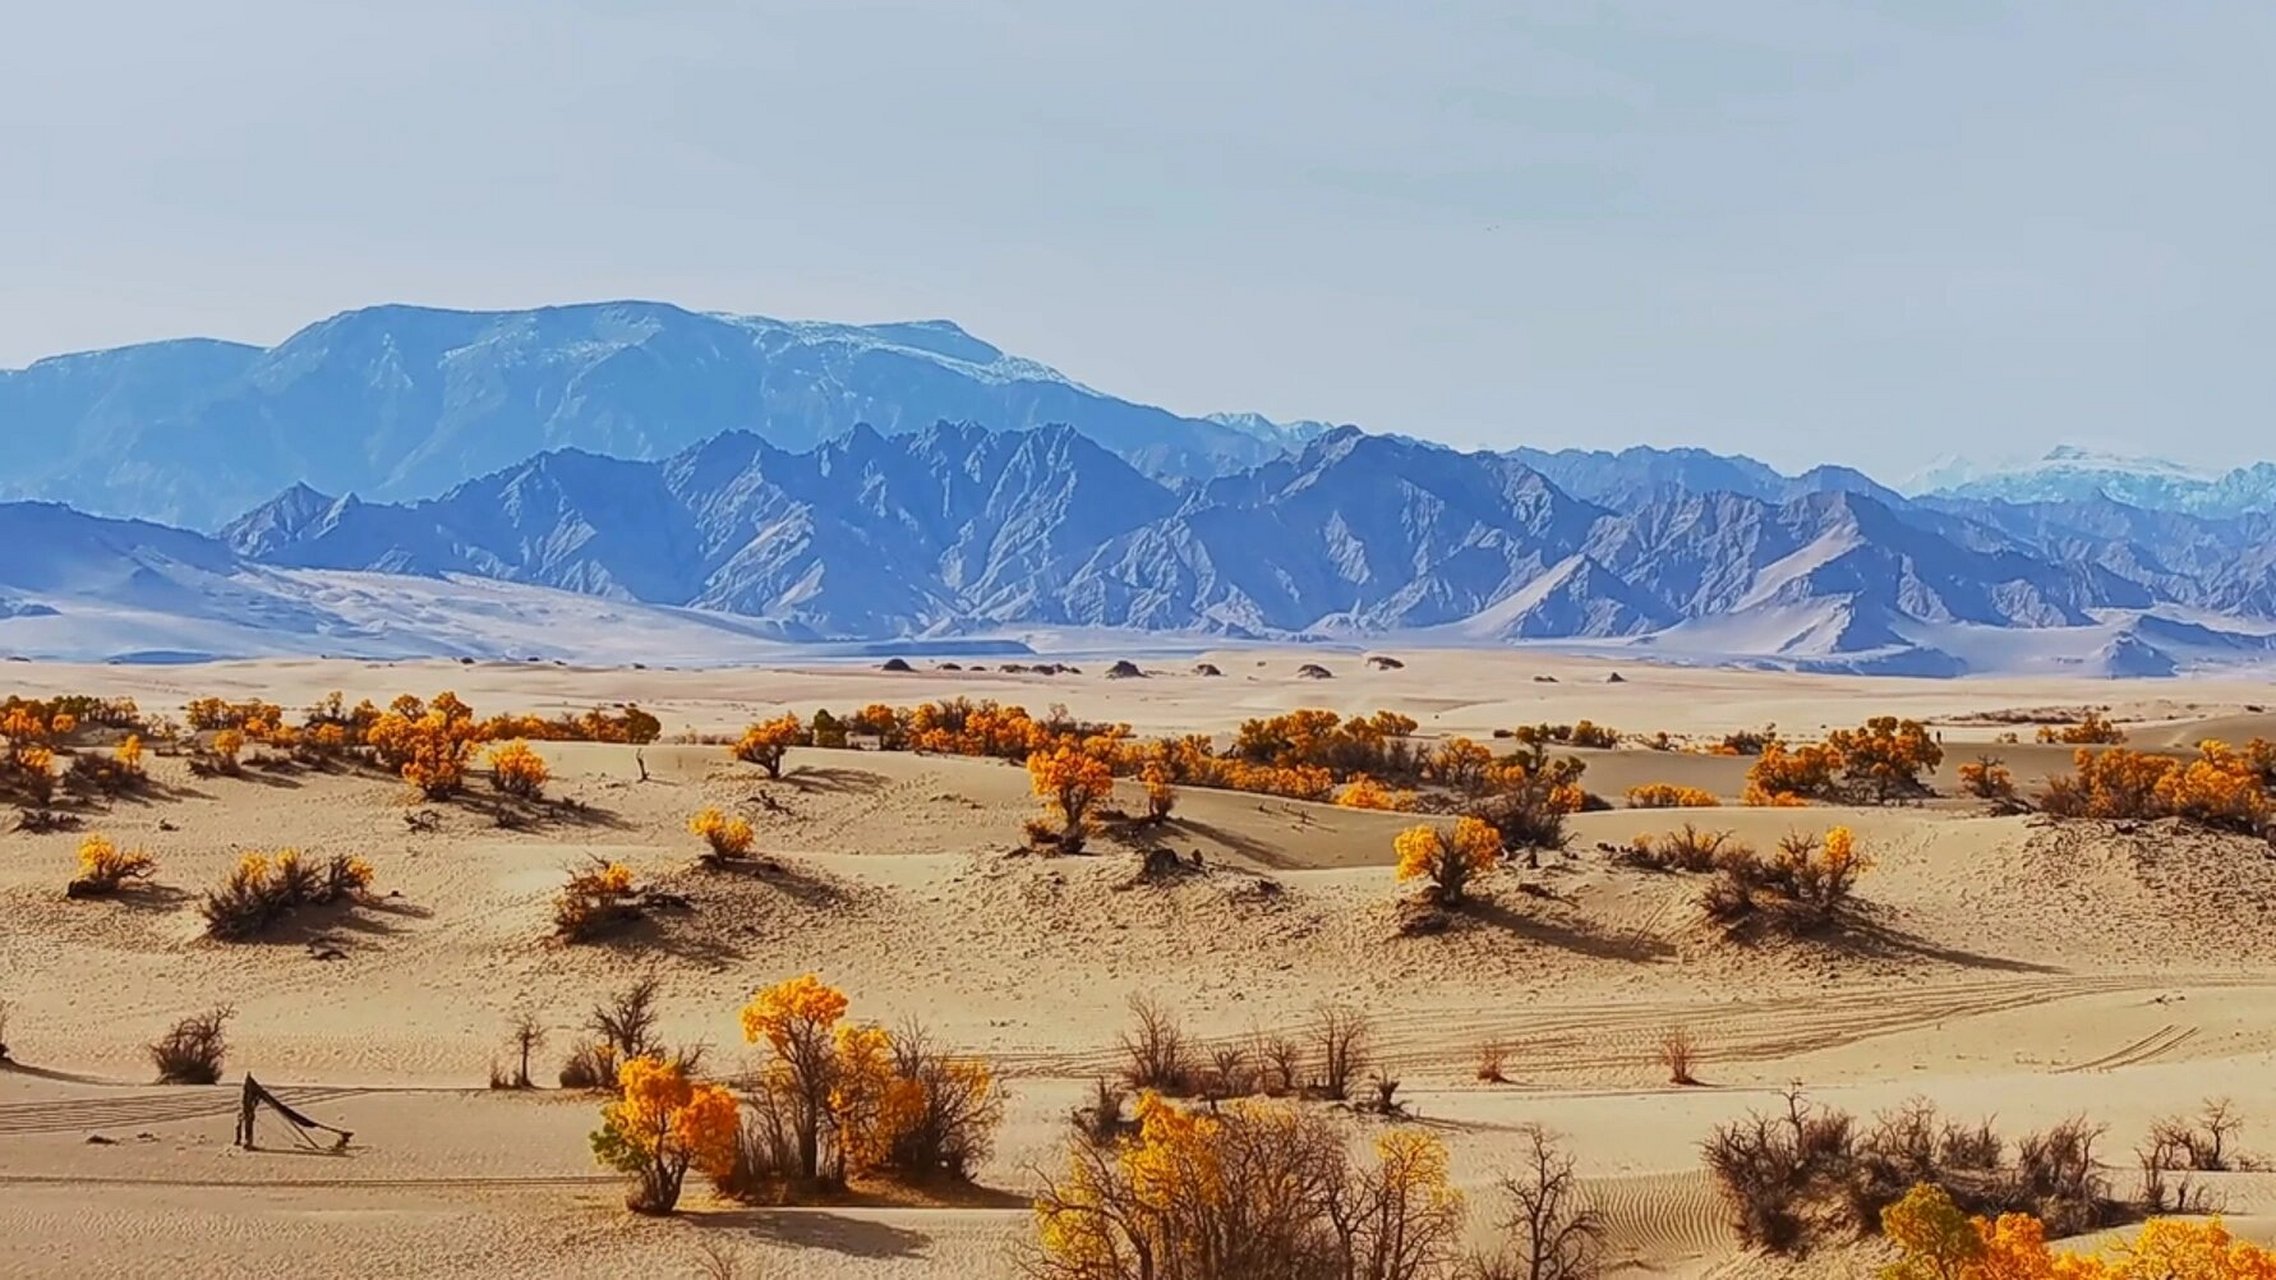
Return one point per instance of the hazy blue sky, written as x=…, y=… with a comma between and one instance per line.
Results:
x=1866, y=232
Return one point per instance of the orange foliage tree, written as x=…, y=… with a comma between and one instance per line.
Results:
x=764, y=743
x=426, y=742
x=1448, y=859
x=1783, y=776
x=797, y=1018
x=1364, y=792
x=1246, y=1189
x=1071, y=780
x=1885, y=756
x=1987, y=778
x=2219, y=787
x=1937, y=1241
x=660, y=1124
x=1668, y=795
x=2092, y=731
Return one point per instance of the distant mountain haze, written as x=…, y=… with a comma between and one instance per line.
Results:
x=823, y=482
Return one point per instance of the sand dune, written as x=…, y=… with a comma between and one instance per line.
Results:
x=2006, y=966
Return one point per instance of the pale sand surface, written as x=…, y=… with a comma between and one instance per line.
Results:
x=2012, y=969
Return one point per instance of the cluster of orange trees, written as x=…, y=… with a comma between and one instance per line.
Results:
x=2091, y=731
x=1668, y=795
x=428, y=742
x=1879, y=761
x=2220, y=786
x=27, y=767
x=1364, y=762
x=835, y=1099
x=1940, y=1241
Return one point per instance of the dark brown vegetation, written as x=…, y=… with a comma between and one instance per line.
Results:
x=1797, y=1176
x=191, y=1052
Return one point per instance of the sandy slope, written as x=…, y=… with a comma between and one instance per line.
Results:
x=2010, y=968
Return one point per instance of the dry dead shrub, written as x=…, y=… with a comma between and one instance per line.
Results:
x=1679, y=1053
x=2198, y=1144
x=1281, y=1065
x=1551, y=1232
x=1229, y=1074
x=1779, y=1173
x=1689, y=849
x=1156, y=1050
x=191, y=1052
x=1492, y=1056
x=1339, y=1035
x=1100, y=1121
x=618, y=1030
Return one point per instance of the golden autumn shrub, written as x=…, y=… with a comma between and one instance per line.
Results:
x=729, y=837
x=104, y=868
x=2091, y=731
x=1783, y=777
x=1668, y=795
x=1937, y=1240
x=1161, y=790
x=2220, y=787
x=518, y=771
x=765, y=742
x=1364, y=792
x=1527, y=798
x=1246, y=1189
x=797, y=1020
x=1987, y=778
x=262, y=889
x=1803, y=886
x=1449, y=858
x=660, y=1125
x=597, y=898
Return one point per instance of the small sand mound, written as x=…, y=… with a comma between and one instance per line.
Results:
x=1314, y=671
x=1206, y=669
x=1124, y=669
x=2155, y=892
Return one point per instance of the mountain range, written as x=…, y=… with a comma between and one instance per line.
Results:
x=792, y=482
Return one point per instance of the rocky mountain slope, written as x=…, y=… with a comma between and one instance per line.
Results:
x=958, y=529
x=405, y=402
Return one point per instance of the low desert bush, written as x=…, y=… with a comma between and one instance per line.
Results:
x=598, y=898
x=192, y=1051
x=2091, y=731
x=1668, y=795
x=1805, y=886
x=1688, y=849
x=1987, y=778
x=1531, y=796
x=1492, y=1057
x=92, y=775
x=2220, y=787
x=518, y=771
x=261, y=890
x=727, y=837
x=104, y=868
x=1679, y=1053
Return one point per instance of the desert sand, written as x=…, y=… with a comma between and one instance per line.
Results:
x=2012, y=968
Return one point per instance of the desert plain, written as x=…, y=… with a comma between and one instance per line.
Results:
x=2004, y=966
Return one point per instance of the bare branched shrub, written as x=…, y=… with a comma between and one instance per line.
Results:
x=1100, y=1122
x=1551, y=1232
x=1281, y=1060
x=1679, y=1053
x=1229, y=1074
x=191, y=1052
x=1777, y=1172
x=2199, y=1144
x=619, y=1030
x=1492, y=1055
x=1339, y=1036
x=1689, y=849
x=527, y=1034
x=1156, y=1049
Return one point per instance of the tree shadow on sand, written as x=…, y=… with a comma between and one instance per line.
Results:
x=835, y=779
x=1579, y=937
